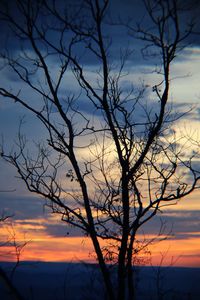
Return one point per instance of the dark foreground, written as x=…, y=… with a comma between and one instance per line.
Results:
x=65, y=281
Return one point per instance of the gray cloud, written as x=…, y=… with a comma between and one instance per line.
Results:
x=21, y=207
x=62, y=229
x=177, y=224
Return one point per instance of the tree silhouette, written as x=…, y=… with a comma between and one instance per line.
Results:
x=7, y=280
x=111, y=158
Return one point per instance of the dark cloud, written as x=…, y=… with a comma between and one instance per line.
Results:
x=21, y=207
x=10, y=76
x=119, y=36
x=175, y=224
x=190, y=255
x=62, y=229
x=26, y=209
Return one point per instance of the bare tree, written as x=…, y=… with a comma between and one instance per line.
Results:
x=6, y=279
x=107, y=171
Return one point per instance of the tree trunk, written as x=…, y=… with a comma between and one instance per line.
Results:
x=121, y=282
x=104, y=270
x=130, y=272
x=122, y=272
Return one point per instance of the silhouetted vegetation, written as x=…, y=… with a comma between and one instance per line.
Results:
x=111, y=159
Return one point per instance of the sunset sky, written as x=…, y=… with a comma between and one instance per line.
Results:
x=49, y=239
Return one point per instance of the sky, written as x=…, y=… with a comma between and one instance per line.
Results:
x=46, y=237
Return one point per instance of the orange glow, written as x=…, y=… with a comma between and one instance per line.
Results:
x=59, y=249
x=42, y=247
x=180, y=252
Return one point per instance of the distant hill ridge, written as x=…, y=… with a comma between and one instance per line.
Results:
x=80, y=281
